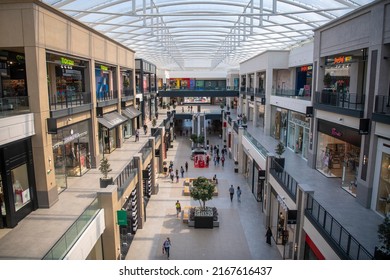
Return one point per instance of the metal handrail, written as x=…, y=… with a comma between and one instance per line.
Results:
x=345, y=244
x=260, y=148
x=70, y=237
x=288, y=183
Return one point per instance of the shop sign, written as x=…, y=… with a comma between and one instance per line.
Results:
x=339, y=60
x=20, y=58
x=67, y=61
x=282, y=203
x=336, y=133
x=74, y=137
x=306, y=68
x=121, y=217
x=104, y=68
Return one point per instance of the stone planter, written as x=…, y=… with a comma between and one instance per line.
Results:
x=104, y=182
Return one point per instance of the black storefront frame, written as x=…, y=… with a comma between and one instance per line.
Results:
x=14, y=155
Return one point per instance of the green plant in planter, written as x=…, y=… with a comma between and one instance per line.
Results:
x=384, y=236
x=104, y=167
x=327, y=80
x=154, y=122
x=279, y=150
x=222, y=106
x=126, y=82
x=202, y=190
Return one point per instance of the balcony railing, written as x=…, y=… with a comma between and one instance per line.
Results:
x=344, y=100
x=128, y=92
x=382, y=104
x=292, y=93
x=146, y=150
x=347, y=246
x=16, y=105
x=235, y=126
x=69, y=99
x=125, y=177
x=108, y=95
x=260, y=148
x=70, y=237
x=288, y=183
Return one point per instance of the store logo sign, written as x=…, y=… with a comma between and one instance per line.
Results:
x=336, y=133
x=306, y=68
x=67, y=61
x=104, y=68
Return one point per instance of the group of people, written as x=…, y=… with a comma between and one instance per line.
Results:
x=175, y=174
x=238, y=192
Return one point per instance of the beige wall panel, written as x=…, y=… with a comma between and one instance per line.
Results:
x=56, y=32
x=30, y=22
x=61, y=122
x=111, y=53
x=98, y=48
x=11, y=28
x=79, y=41
x=122, y=57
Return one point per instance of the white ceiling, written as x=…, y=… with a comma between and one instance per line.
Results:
x=205, y=35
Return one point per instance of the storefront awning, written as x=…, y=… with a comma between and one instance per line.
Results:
x=111, y=120
x=131, y=112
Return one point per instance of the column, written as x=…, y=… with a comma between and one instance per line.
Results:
x=110, y=236
x=140, y=192
x=95, y=156
x=153, y=164
x=268, y=92
x=47, y=192
x=240, y=152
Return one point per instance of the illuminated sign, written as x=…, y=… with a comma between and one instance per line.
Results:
x=104, y=68
x=67, y=61
x=334, y=132
x=339, y=60
x=306, y=68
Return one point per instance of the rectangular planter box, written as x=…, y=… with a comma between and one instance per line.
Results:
x=204, y=222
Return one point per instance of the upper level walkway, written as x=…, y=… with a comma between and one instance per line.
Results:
x=362, y=223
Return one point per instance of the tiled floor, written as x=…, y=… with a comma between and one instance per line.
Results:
x=241, y=231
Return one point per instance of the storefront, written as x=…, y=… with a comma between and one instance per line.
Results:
x=344, y=73
x=381, y=188
x=71, y=152
x=104, y=78
x=131, y=125
x=13, y=86
x=126, y=79
x=338, y=152
x=256, y=179
x=66, y=79
x=298, y=133
x=17, y=183
x=303, y=81
x=283, y=225
x=279, y=124
x=109, y=129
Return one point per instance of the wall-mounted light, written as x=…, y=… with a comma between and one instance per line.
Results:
x=365, y=158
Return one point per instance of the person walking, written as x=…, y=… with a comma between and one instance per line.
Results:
x=268, y=236
x=177, y=176
x=238, y=194
x=182, y=171
x=223, y=161
x=178, y=208
x=137, y=135
x=145, y=128
x=167, y=247
x=231, y=192
x=172, y=175
x=186, y=166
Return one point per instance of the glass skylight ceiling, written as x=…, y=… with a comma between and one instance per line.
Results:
x=205, y=35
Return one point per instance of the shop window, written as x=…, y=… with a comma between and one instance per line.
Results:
x=383, y=197
x=21, y=187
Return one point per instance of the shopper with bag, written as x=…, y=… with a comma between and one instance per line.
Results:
x=166, y=247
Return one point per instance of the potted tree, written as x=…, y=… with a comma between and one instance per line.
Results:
x=279, y=150
x=104, y=168
x=202, y=190
x=327, y=80
x=383, y=252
